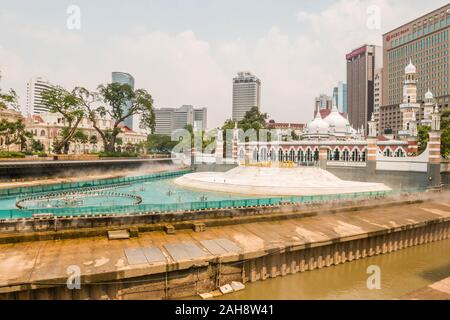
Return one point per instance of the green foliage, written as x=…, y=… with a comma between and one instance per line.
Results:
x=93, y=140
x=70, y=107
x=159, y=143
x=37, y=146
x=14, y=133
x=445, y=135
x=115, y=154
x=40, y=154
x=11, y=154
x=253, y=119
x=295, y=136
x=122, y=102
x=423, y=132
x=9, y=99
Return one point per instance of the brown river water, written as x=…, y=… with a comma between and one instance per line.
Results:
x=402, y=272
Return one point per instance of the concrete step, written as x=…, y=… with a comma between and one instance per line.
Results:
x=118, y=235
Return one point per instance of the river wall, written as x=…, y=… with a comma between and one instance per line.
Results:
x=188, y=279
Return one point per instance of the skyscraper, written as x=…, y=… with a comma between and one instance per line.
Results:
x=323, y=102
x=125, y=78
x=340, y=96
x=35, y=87
x=377, y=94
x=425, y=42
x=168, y=120
x=200, y=118
x=246, y=94
x=361, y=66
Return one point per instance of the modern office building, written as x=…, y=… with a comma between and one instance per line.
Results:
x=246, y=94
x=361, y=66
x=340, y=96
x=125, y=78
x=200, y=118
x=164, y=121
x=167, y=120
x=377, y=94
x=183, y=116
x=323, y=102
x=35, y=87
x=425, y=42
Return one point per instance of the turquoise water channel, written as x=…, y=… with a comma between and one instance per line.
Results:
x=155, y=193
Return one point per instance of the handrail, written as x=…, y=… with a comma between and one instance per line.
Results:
x=160, y=208
x=87, y=184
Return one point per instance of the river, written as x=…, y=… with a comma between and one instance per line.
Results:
x=401, y=272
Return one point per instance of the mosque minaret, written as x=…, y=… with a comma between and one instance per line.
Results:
x=409, y=107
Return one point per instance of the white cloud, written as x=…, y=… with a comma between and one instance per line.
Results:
x=181, y=68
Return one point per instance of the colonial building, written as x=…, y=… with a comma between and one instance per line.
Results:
x=47, y=127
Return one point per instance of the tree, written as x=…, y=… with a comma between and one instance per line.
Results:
x=37, y=146
x=93, y=140
x=9, y=100
x=14, y=133
x=21, y=134
x=122, y=102
x=6, y=132
x=160, y=143
x=69, y=105
x=445, y=135
x=423, y=138
x=253, y=119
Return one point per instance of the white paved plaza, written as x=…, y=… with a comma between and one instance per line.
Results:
x=275, y=182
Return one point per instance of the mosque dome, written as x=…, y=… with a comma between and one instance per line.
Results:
x=410, y=68
x=336, y=120
x=429, y=95
x=318, y=125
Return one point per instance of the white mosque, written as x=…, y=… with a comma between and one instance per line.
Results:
x=297, y=167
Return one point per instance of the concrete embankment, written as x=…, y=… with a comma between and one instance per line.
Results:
x=157, y=265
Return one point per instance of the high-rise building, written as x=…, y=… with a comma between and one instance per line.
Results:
x=246, y=94
x=35, y=87
x=183, y=116
x=168, y=120
x=164, y=121
x=425, y=42
x=200, y=118
x=361, y=66
x=340, y=96
x=377, y=94
x=125, y=78
x=323, y=102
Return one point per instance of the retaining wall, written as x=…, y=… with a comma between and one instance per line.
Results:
x=175, y=282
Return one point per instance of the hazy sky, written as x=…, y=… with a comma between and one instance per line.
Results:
x=187, y=51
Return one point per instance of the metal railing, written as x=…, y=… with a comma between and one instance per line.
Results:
x=161, y=208
x=88, y=184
